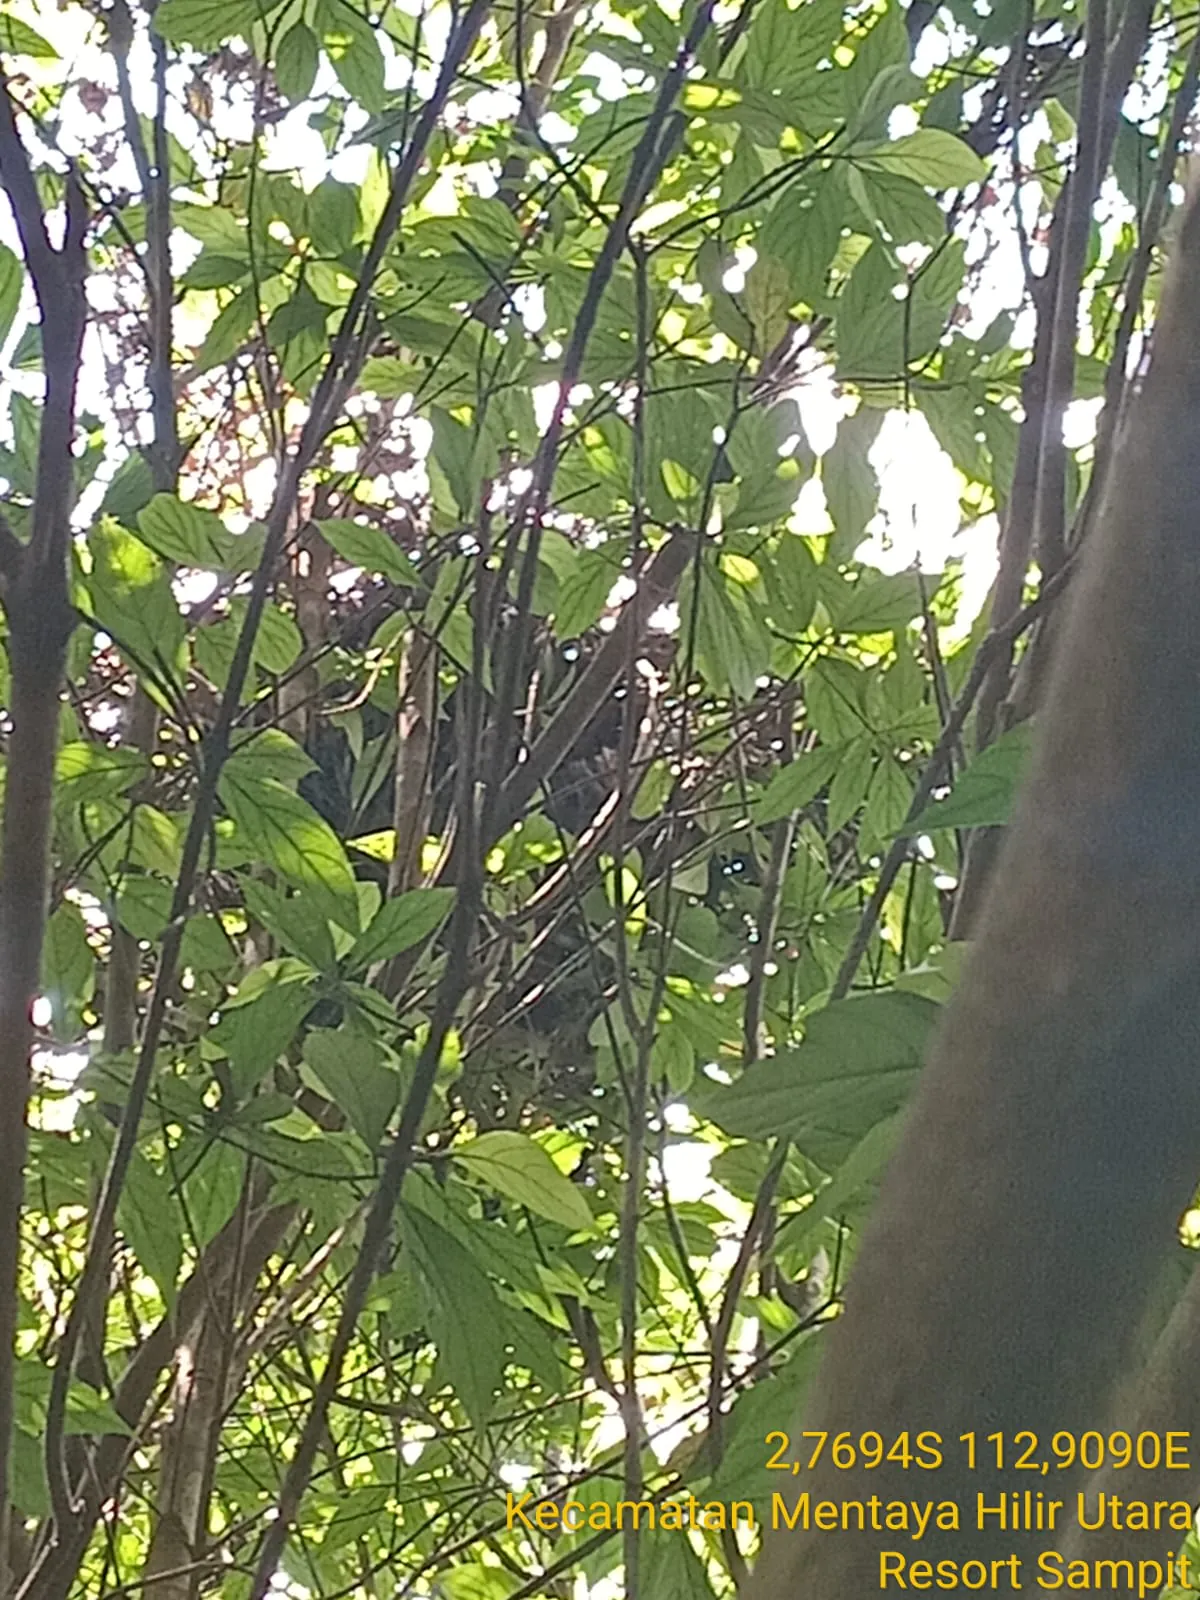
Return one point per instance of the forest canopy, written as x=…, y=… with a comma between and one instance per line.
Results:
x=504, y=732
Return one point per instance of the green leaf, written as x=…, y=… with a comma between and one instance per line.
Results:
x=887, y=321
x=271, y=753
x=673, y=1057
x=216, y=1173
x=795, y=590
x=132, y=600
x=130, y=488
x=454, y=450
x=230, y=327
x=350, y=1069
x=930, y=156
x=849, y=787
x=878, y=605
x=278, y=641
x=187, y=534
x=352, y=47
x=767, y=298
x=369, y=548
x=520, y=1169
x=94, y=772
x=217, y=228
x=68, y=968
x=795, y=785
x=861, y=1168
x=732, y=649
x=28, y=1471
x=206, y=24
x=389, y=377
x=835, y=694
x=803, y=229
x=584, y=592
x=467, y=1319
x=12, y=279
x=334, y=208
x=902, y=209
x=146, y=1216
x=17, y=38
x=787, y=41
x=296, y=61
x=984, y=794
x=293, y=839
x=856, y=1066
x=291, y=920
x=399, y=924
x=253, y=1033
x=849, y=480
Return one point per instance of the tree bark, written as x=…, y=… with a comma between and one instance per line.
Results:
x=1055, y=1137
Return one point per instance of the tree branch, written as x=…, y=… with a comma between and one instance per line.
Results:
x=40, y=618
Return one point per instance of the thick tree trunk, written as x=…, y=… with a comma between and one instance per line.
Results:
x=1056, y=1134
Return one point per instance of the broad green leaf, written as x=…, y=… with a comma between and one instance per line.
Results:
x=215, y=1174
x=456, y=451
x=230, y=328
x=254, y=1032
x=351, y=1070
x=786, y=40
x=369, y=548
x=583, y=594
x=216, y=227
x=848, y=789
x=904, y=211
x=209, y=23
x=856, y=1066
x=68, y=968
x=835, y=699
x=731, y=646
x=87, y=1410
x=351, y=45
x=131, y=599
x=147, y=1217
x=794, y=591
x=297, y=58
x=130, y=488
x=849, y=480
x=390, y=377
x=880, y=604
x=399, y=924
x=27, y=1469
x=795, y=785
x=519, y=1168
x=467, y=1318
x=767, y=298
x=12, y=279
x=930, y=156
x=673, y=1570
x=17, y=38
x=887, y=321
x=888, y=800
x=271, y=753
x=94, y=771
x=187, y=533
x=861, y=1167
x=803, y=230
x=334, y=208
x=673, y=1058
x=292, y=920
x=293, y=839
x=983, y=796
